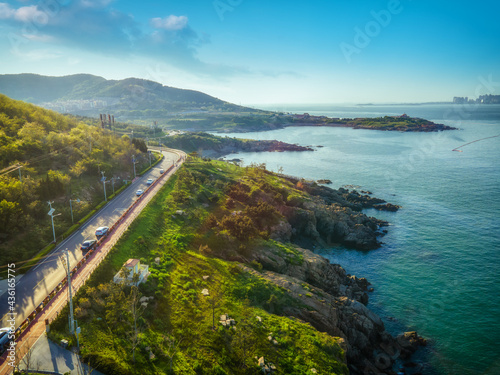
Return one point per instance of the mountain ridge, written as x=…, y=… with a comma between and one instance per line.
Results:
x=124, y=97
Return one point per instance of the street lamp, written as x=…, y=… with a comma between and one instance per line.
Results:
x=103, y=179
x=133, y=162
x=51, y=214
x=71, y=319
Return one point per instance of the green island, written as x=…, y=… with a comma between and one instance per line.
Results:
x=229, y=290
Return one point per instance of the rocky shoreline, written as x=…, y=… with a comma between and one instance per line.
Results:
x=252, y=146
x=335, y=302
x=333, y=217
x=308, y=214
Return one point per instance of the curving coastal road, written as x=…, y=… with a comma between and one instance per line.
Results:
x=38, y=282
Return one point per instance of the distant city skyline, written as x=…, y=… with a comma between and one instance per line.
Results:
x=261, y=52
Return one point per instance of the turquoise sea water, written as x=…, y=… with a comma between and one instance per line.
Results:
x=437, y=272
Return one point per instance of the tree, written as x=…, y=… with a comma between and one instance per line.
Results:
x=215, y=298
x=171, y=346
x=140, y=144
x=136, y=310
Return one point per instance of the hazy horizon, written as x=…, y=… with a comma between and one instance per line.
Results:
x=254, y=53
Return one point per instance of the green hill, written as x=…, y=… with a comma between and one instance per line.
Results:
x=47, y=156
x=85, y=94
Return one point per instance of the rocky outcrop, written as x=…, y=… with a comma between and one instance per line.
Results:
x=347, y=198
x=335, y=302
x=231, y=146
x=327, y=225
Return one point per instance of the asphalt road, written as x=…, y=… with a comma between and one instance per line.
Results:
x=38, y=282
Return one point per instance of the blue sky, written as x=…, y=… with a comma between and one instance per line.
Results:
x=264, y=52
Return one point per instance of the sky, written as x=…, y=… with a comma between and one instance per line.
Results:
x=253, y=52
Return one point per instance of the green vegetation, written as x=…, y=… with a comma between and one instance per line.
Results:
x=61, y=159
x=190, y=142
x=217, y=146
x=399, y=123
x=201, y=227
x=394, y=123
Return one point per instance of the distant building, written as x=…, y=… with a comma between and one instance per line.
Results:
x=460, y=100
x=489, y=99
x=130, y=268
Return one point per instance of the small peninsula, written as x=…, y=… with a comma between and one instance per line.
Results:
x=209, y=145
x=403, y=123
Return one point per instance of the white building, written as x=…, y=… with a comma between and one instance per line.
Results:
x=132, y=267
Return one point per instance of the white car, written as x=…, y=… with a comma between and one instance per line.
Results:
x=149, y=181
x=101, y=231
x=139, y=192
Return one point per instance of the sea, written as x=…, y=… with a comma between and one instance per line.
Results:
x=438, y=269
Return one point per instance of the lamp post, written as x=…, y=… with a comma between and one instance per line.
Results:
x=51, y=214
x=103, y=179
x=133, y=162
x=71, y=319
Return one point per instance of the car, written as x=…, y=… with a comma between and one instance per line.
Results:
x=87, y=245
x=4, y=337
x=162, y=171
x=149, y=181
x=101, y=231
x=139, y=192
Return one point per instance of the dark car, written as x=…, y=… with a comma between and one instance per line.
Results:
x=4, y=337
x=87, y=245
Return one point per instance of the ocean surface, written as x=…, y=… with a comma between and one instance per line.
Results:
x=438, y=269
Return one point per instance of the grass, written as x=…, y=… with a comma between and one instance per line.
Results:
x=176, y=328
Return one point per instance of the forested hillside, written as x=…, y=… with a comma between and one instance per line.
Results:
x=47, y=156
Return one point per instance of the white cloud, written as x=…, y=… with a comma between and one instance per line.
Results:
x=31, y=14
x=39, y=38
x=23, y=14
x=170, y=23
x=95, y=3
x=38, y=55
x=6, y=11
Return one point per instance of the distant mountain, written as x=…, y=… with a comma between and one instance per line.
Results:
x=131, y=98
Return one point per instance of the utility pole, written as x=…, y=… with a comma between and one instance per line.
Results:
x=71, y=208
x=133, y=162
x=113, y=182
x=103, y=179
x=71, y=319
x=20, y=178
x=149, y=152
